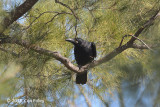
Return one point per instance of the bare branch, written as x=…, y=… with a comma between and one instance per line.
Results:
x=76, y=29
x=20, y=96
x=17, y=13
x=139, y=31
x=53, y=18
x=142, y=42
x=120, y=49
x=66, y=61
x=43, y=14
x=137, y=39
x=104, y=59
x=148, y=23
x=144, y=46
x=122, y=40
x=39, y=50
x=57, y=1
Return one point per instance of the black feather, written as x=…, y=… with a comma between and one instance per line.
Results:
x=84, y=53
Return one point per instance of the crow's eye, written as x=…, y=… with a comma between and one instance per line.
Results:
x=76, y=41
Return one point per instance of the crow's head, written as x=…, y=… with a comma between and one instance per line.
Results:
x=75, y=41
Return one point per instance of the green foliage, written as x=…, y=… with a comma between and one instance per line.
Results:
x=48, y=24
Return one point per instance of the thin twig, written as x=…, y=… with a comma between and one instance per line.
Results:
x=43, y=14
x=56, y=16
x=144, y=46
x=147, y=24
x=142, y=42
x=137, y=39
x=76, y=29
x=57, y=1
x=20, y=96
x=122, y=40
x=67, y=63
x=53, y=18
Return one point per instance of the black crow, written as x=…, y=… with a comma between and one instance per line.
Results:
x=84, y=53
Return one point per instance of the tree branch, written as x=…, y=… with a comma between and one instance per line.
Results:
x=144, y=46
x=39, y=50
x=57, y=1
x=17, y=13
x=55, y=16
x=142, y=42
x=43, y=14
x=148, y=23
x=137, y=39
x=66, y=61
x=120, y=49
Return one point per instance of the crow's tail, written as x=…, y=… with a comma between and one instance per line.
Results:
x=81, y=78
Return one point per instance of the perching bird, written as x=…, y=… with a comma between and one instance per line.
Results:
x=84, y=53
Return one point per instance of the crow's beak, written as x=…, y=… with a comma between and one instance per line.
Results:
x=71, y=40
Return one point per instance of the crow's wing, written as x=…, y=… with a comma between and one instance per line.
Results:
x=93, y=46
